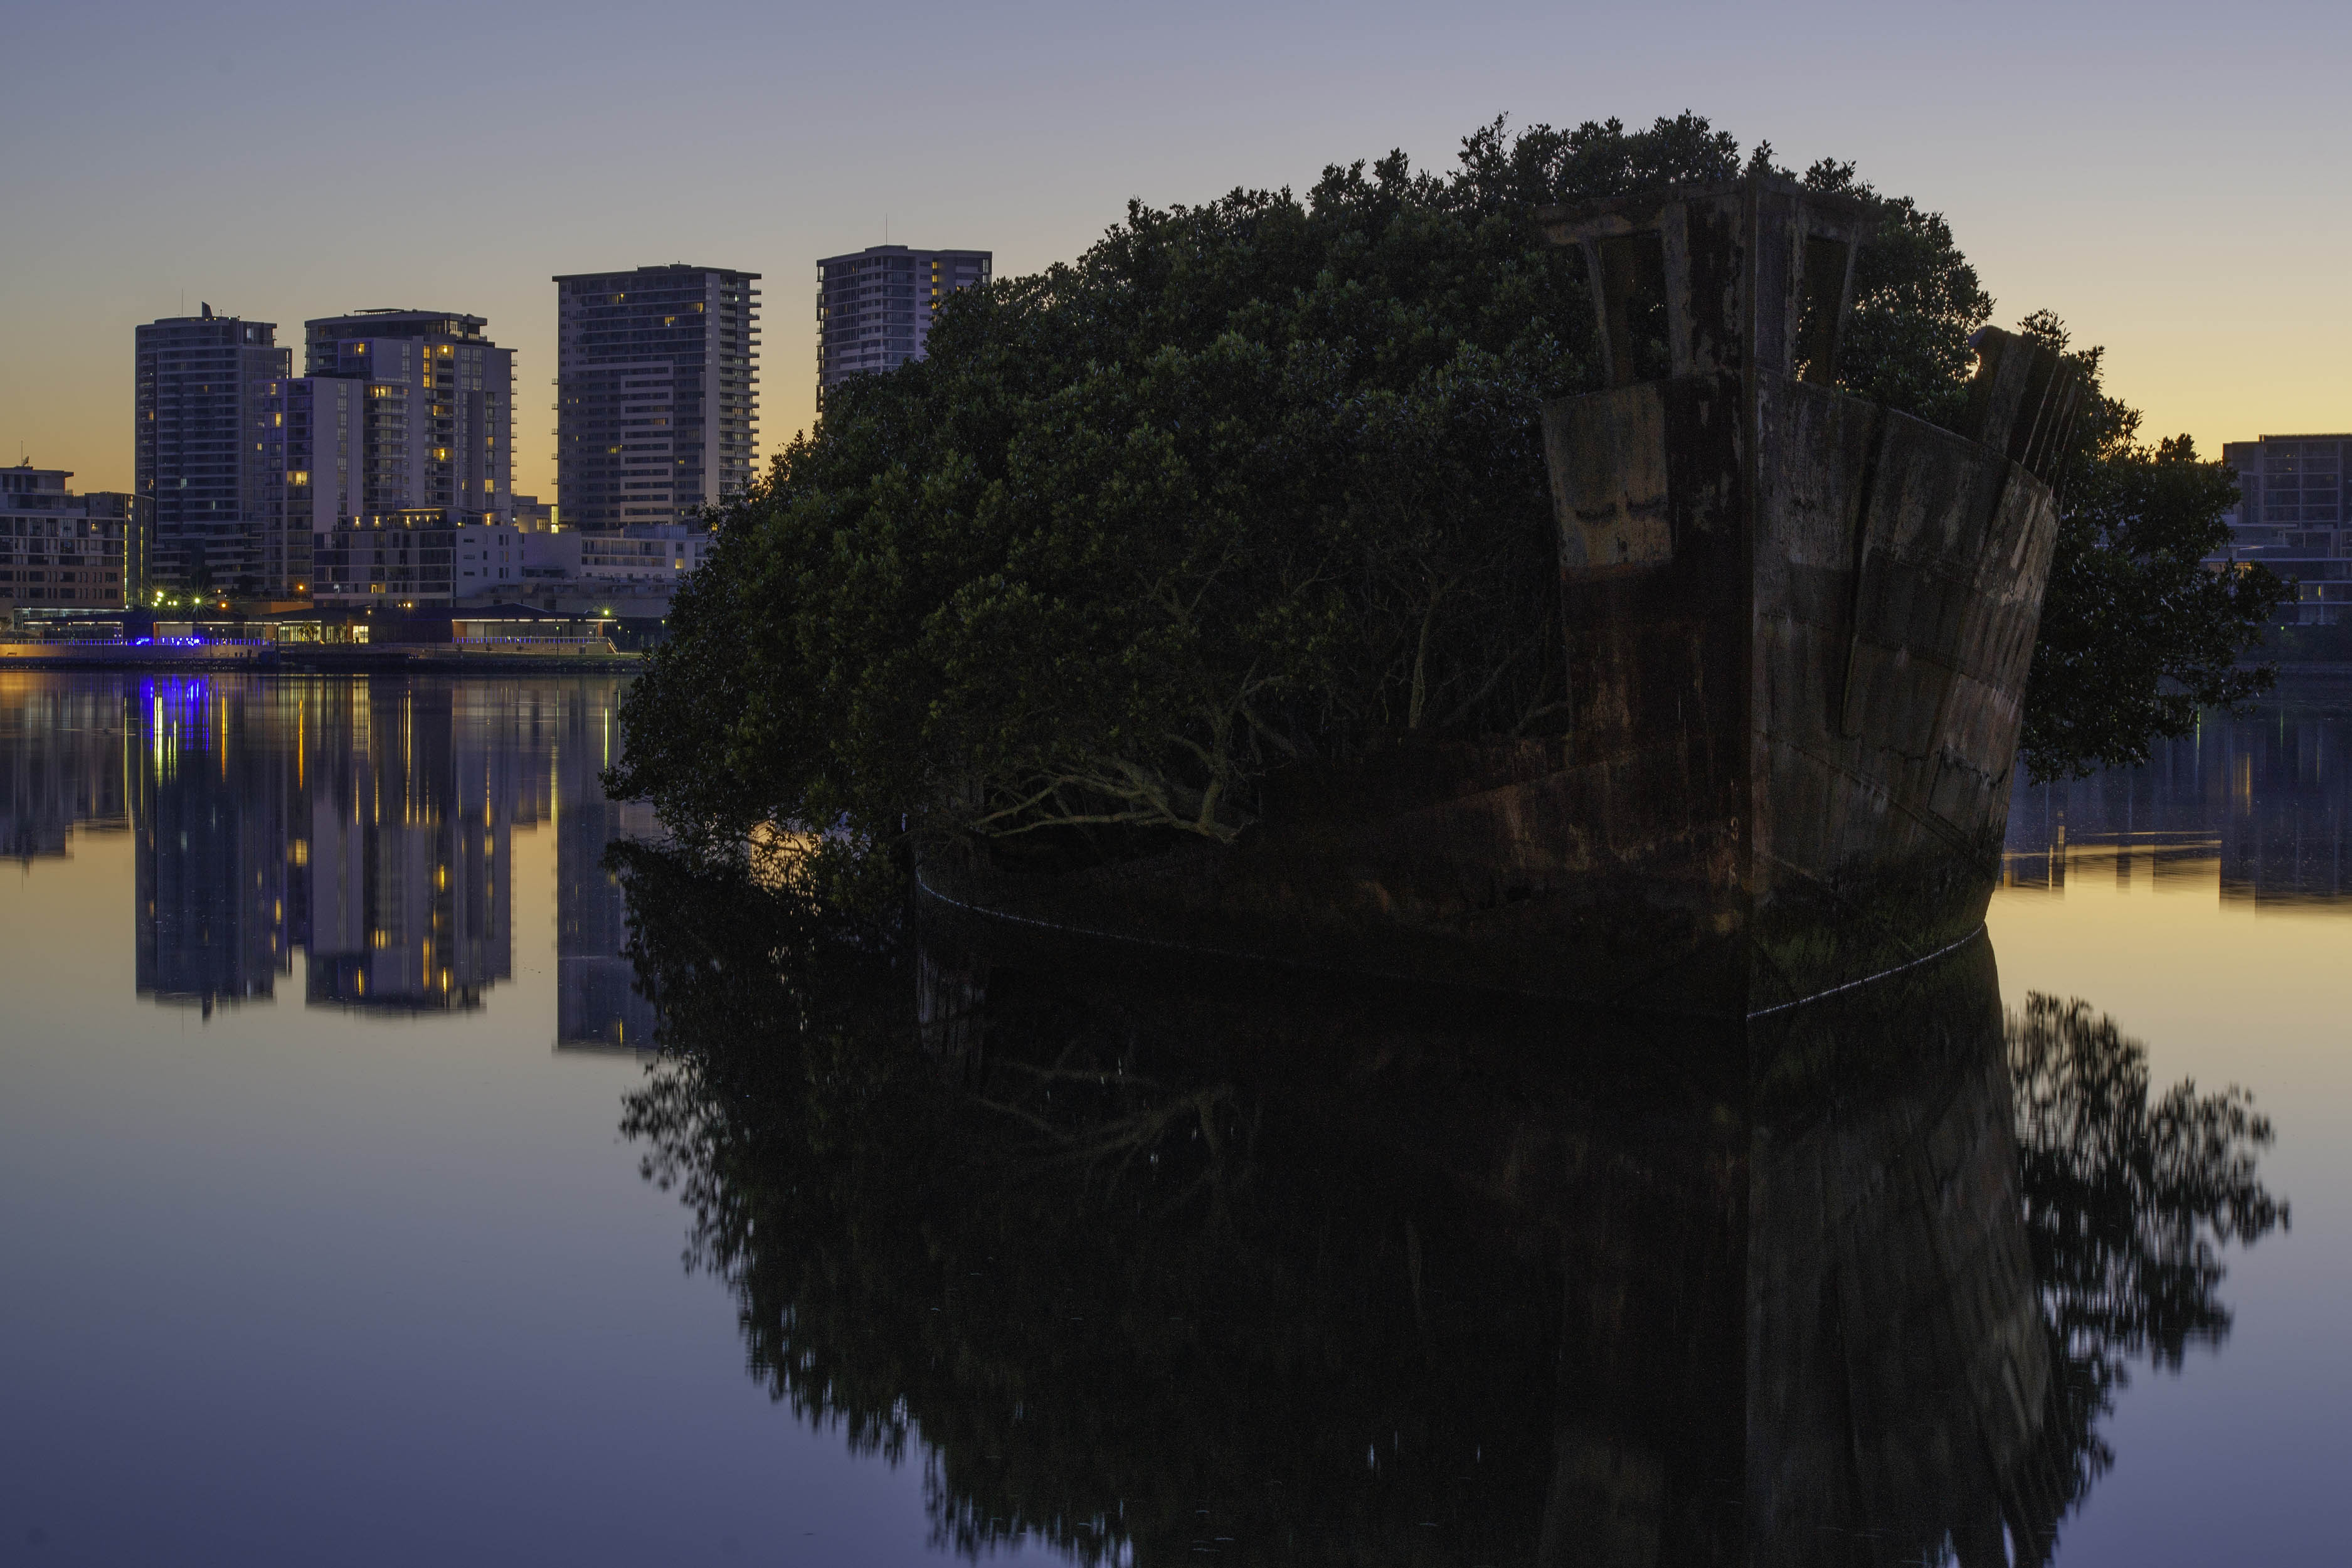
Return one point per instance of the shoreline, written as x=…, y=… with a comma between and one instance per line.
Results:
x=406, y=659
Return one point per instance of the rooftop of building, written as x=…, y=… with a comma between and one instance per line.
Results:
x=205, y=313
x=905, y=250
x=660, y=266
x=213, y=329
x=387, y=322
x=26, y=478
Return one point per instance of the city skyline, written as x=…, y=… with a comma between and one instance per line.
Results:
x=2065, y=170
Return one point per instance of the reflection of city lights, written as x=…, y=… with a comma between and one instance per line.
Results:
x=406, y=812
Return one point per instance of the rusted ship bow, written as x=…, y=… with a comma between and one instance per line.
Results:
x=1799, y=626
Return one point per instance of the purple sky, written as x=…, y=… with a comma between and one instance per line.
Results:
x=2169, y=179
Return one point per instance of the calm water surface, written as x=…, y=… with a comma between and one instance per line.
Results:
x=345, y=1219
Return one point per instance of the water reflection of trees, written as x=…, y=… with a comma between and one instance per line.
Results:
x=1115, y=1310
x=1138, y=1265
x=2129, y=1198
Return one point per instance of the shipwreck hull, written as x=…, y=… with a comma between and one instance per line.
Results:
x=1798, y=627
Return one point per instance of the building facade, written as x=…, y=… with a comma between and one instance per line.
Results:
x=875, y=307
x=401, y=560
x=59, y=550
x=327, y=427
x=210, y=471
x=646, y=559
x=2292, y=518
x=444, y=434
x=533, y=515
x=489, y=562
x=496, y=562
x=658, y=392
x=552, y=559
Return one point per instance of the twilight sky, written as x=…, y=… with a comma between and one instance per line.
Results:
x=2169, y=178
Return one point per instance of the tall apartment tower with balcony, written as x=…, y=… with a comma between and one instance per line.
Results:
x=444, y=436
x=875, y=307
x=209, y=467
x=656, y=393
x=404, y=419
x=333, y=428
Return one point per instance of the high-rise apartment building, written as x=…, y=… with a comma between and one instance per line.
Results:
x=875, y=307
x=63, y=551
x=209, y=462
x=656, y=393
x=326, y=425
x=2295, y=516
x=444, y=435
x=401, y=430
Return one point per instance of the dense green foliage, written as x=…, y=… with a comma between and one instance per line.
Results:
x=1259, y=483
x=2137, y=633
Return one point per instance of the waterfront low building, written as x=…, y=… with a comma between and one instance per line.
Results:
x=573, y=570
x=502, y=560
x=646, y=558
x=551, y=559
x=400, y=559
x=489, y=560
x=2292, y=517
x=63, y=551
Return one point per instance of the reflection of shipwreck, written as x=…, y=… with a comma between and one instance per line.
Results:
x=1798, y=631
x=1599, y=1290
x=1852, y=1260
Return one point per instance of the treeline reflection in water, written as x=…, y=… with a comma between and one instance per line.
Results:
x=363, y=826
x=2257, y=805
x=1143, y=1263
